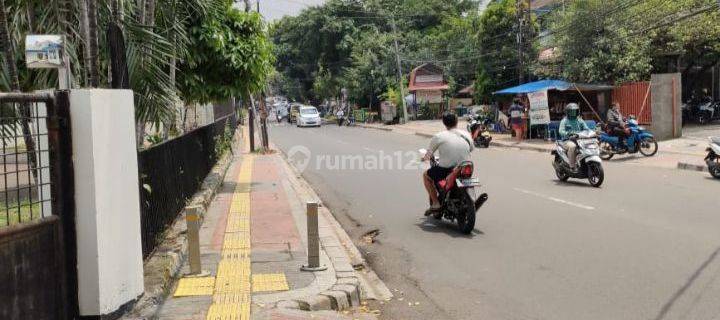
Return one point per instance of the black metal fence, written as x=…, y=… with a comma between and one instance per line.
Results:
x=24, y=162
x=171, y=172
x=37, y=209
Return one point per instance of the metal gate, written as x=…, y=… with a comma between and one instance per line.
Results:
x=634, y=99
x=38, y=278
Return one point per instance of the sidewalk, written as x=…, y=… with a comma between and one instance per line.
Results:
x=253, y=242
x=684, y=153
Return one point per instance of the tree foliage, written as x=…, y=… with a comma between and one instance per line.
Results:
x=230, y=56
x=159, y=46
x=353, y=42
x=498, y=55
x=611, y=41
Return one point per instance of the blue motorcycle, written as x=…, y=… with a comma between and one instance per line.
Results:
x=638, y=140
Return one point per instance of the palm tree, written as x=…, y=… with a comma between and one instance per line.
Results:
x=92, y=43
x=23, y=115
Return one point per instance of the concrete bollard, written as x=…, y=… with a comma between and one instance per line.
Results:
x=313, y=239
x=192, y=218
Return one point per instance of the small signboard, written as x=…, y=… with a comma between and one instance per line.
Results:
x=388, y=111
x=43, y=51
x=539, y=109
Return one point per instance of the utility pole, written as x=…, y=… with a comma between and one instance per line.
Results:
x=263, y=121
x=399, y=70
x=251, y=120
x=520, y=17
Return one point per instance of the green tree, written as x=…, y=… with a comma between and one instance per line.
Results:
x=230, y=55
x=325, y=86
x=498, y=58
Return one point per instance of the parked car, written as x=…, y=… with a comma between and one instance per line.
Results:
x=308, y=117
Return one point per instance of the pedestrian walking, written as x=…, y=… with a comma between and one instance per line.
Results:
x=517, y=119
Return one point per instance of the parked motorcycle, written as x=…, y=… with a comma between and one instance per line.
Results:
x=713, y=157
x=701, y=110
x=479, y=130
x=638, y=139
x=457, y=195
x=588, y=162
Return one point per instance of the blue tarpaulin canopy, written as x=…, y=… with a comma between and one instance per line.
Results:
x=559, y=85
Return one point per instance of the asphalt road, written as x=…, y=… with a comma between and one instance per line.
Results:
x=644, y=246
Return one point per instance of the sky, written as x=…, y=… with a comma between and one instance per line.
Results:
x=276, y=9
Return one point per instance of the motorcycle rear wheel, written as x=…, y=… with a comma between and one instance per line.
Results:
x=606, y=151
x=715, y=172
x=466, y=218
x=561, y=174
x=596, y=175
x=648, y=146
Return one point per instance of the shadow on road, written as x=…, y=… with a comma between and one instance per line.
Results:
x=574, y=184
x=689, y=283
x=442, y=226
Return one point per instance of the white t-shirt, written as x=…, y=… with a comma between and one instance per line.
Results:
x=451, y=146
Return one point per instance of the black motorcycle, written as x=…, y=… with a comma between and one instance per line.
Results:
x=457, y=195
x=713, y=157
x=479, y=130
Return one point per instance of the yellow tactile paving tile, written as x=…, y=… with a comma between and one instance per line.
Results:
x=237, y=224
x=231, y=293
x=229, y=311
x=237, y=240
x=233, y=268
x=202, y=286
x=235, y=254
x=269, y=282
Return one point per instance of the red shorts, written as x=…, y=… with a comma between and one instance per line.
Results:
x=517, y=126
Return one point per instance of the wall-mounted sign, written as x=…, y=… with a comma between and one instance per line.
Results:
x=429, y=78
x=43, y=51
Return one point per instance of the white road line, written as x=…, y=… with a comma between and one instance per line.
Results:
x=569, y=203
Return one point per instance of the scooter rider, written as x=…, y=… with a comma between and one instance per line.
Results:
x=616, y=124
x=454, y=146
x=570, y=125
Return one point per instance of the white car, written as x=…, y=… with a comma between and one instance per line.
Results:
x=309, y=117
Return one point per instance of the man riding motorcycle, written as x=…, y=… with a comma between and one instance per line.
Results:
x=570, y=125
x=454, y=147
x=616, y=124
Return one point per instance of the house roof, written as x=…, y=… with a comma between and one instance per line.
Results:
x=427, y=69
x=468, y=90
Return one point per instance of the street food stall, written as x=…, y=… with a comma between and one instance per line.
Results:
x=547, y=99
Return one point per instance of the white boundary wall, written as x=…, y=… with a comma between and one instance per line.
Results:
x=110, y=269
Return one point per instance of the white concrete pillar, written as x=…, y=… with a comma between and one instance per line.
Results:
x=110, y=269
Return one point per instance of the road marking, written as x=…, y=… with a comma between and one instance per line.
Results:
x=569, y=203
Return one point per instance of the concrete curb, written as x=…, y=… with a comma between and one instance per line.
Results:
x=373, y=127
x=165, y=263
x=691, y=166
x=345, y=289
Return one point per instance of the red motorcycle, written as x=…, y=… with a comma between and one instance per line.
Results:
x=457, y=195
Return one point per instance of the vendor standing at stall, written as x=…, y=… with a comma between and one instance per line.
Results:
x=517, y=119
